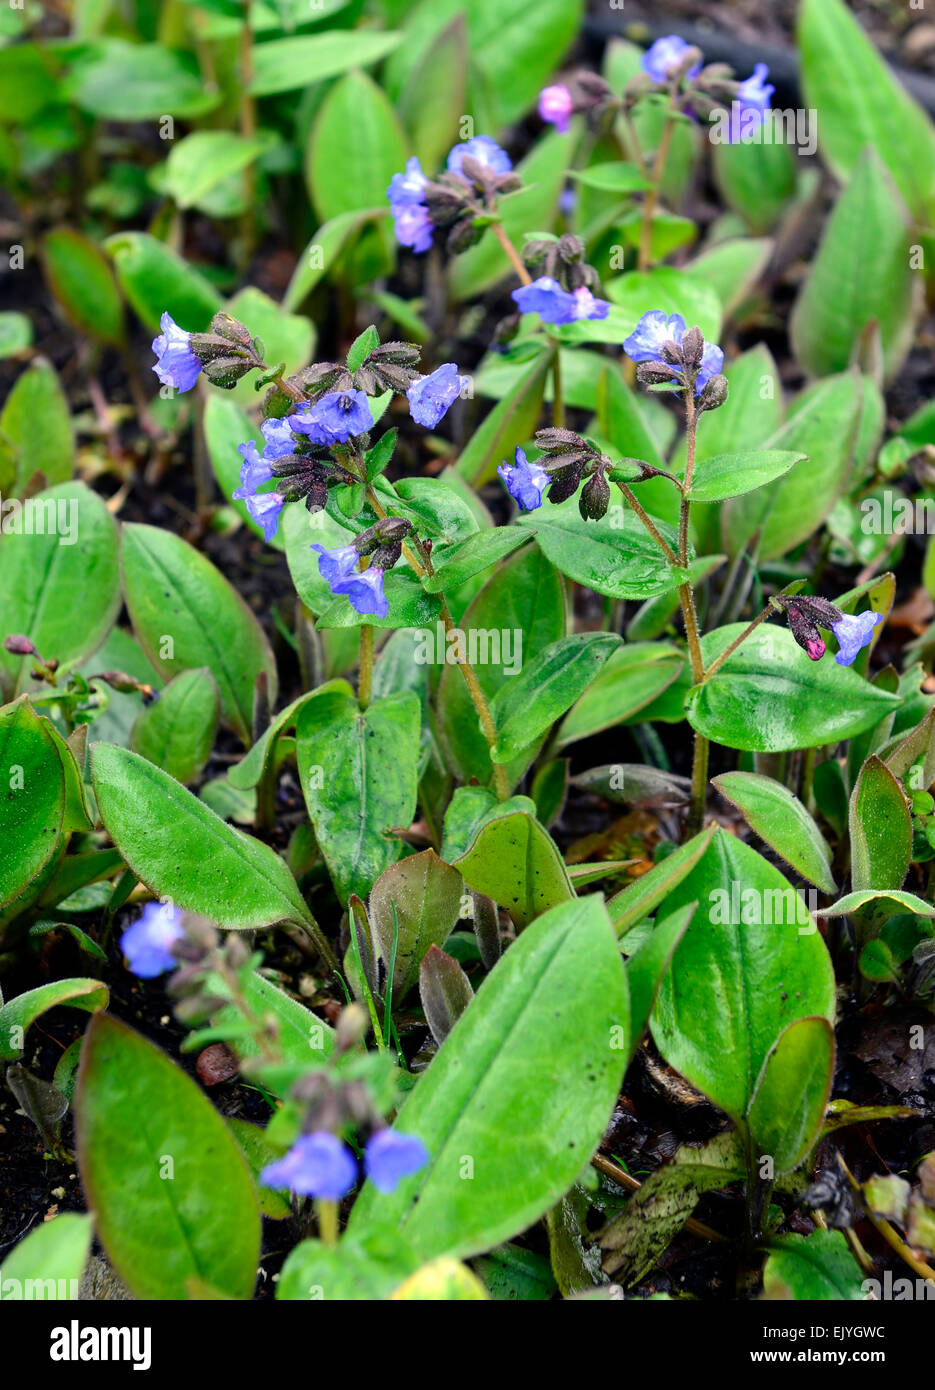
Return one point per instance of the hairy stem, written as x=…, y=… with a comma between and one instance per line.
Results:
x=652, y=194
x=511, y=253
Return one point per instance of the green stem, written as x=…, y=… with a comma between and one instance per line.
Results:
x=728, y=651
x=558, y=399
x=650, y=525
x=327, y=1221
x=651, y=199
x=511, y=253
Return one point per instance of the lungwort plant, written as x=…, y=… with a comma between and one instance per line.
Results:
x=508, y=757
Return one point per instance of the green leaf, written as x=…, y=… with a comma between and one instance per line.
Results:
x=768, y=697
x=119, y=81
x=616, y=556
x=15, y=333
x=366, y=1265
x=434, y=97
x=839, y=66
x=653, y=1217
x=782, y=822
x=555, y=1004
x=413, y=905
x=469, y=809
x=675, y=291
x=161, y=1171
x=200, y=161
x=518, y=612
x=511, y=421
x=734, y=268
x=647, y=966
x=623, y=422
x=35, y=425
x=32, y=811
x=880, y=829
x=515, y=861
x=729, y=475
x=861, y=275
x=18, y=1013
x=176, y=732
x=543, y=173
x=751, y=963
x=324, y=249
x=156, y=281
x=455, y=564
x=82, y=280
x=644, y=895
x=282, y=65
x=359, y=773
x=810, y=1269
x=528, y=705
x=634, y=675
x=182, y=851
x=617, y=176
x=513, y=51
x=59, y=587
x=256, y=1149
x=186, y=615
x=823, y=427
x=356, y=146
x=304, y=1039
x=756, y=180
x=791, y=1096
x=54, y=1251
x=853, y=902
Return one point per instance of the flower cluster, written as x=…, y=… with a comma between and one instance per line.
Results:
x=225, y=353
x=564, y=292
x=565, y=460
x=364, y=588
x=853, y=631
x=320, y=1165
x=477, y=172
x=671, y=354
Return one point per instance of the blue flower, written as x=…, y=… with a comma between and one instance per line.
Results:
x=750, y=104
x=555, y=107
x=254, y=471
x=485, y=150
x=317, y=1165
x=430, y=396
x=524, y=481
x=278, y=436
x=546, y=298
x=147, y=943
x=335, y=565
x=407, y=188
x=334, y=417
x=176, y=364
x=853, y=633
x=666, y=54
x=654, y=329
x=413, y=226
x=365, y=592
x=390, y=1156
x=264, y=508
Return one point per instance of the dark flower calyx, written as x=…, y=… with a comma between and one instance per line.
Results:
x=553, y=439
x=565, y=484
x=595, y=497
x=224, y=326
x=227, y=371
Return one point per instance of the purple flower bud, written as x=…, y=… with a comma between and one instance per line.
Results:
x=317, y=1165
x=407, y=189
x=854, y=632
x=430, y=396
x=334, y=417
x=664, y=58
x=485, y=150
x=546, y=298
x=365, y=592
x=176, y=364
x=524, y=481
x=147, y=944
x=391, y=1156
x=556, y=107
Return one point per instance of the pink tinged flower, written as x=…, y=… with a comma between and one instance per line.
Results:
x=317, y=1165
x=391, y=1156
x=854, y=632
x=815, y=648
x=176, y=365
x=555, y=107
x=524, y=481
x=587, y=307
x=147, y=945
